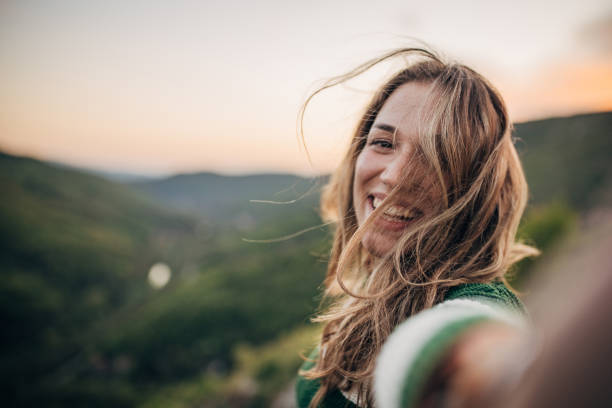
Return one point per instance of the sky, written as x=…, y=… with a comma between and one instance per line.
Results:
x=162, y=87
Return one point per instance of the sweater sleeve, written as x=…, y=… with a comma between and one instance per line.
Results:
x=414, y=349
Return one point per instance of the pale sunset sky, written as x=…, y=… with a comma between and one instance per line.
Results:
x=161, y=87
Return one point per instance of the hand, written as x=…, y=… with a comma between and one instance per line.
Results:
x=476, y=365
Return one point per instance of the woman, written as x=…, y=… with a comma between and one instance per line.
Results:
x=426, y=203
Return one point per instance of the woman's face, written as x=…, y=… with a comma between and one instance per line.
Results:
x=381, y=166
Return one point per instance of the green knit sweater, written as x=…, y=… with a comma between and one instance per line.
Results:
x=412, y=351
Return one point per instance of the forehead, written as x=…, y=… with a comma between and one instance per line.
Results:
x=403, y=107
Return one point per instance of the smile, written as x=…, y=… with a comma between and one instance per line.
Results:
x=395, y=212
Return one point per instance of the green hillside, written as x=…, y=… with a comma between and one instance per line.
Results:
x=82, y=325
x=212, y=192
x=74, y=250
x=249, y=203
x=568, y=159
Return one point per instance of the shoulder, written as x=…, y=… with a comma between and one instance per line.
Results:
x=306, y=389
x=416, y=346
x=493, y=293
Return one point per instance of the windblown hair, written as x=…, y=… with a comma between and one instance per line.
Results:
x=465, y=148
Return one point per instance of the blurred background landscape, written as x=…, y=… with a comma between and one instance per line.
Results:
x=145, y=293
x=153, y=189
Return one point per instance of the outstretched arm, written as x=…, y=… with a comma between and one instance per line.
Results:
x=447, y=355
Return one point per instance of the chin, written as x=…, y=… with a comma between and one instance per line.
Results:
x=378, y=245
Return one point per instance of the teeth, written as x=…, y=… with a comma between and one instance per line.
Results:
x=394, y=211
x=399, y=212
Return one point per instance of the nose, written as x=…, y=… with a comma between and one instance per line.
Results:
x=394, y=170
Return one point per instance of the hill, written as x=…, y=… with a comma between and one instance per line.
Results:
x=251, y=203
x=568, y=159
x=565, y=159
x=82, y=325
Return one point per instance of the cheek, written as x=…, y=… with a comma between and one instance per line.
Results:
x=365, y=171
x=358, y=187
x=361, y=174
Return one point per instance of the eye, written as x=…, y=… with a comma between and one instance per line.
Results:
x=381, y=143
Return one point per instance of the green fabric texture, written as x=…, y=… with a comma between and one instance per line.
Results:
x=495, y=292
x=306, y=389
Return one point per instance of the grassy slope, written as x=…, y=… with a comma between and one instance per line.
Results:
x=74, y=249
x=82, y=325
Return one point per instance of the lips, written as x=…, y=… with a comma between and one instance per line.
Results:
x=395, y=212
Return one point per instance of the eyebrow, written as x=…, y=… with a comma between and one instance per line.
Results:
x=385, y=127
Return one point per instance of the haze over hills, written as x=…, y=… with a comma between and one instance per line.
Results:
x=565, y=159
x=245, y=201
x=83, y=327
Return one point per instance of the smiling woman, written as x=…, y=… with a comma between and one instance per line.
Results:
x=381, y=165
x=426, y=203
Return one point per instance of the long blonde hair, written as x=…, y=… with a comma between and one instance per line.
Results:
x=465, y=143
